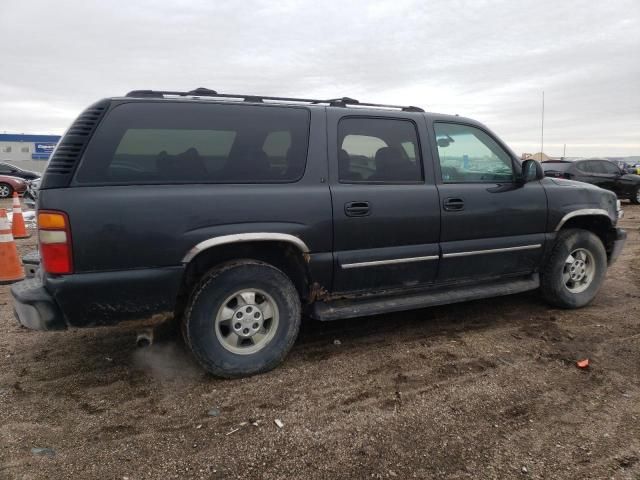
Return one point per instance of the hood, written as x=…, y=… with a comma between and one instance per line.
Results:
x=632, y=177
x=11, y=177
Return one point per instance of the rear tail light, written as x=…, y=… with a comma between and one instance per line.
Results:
x=55, y=242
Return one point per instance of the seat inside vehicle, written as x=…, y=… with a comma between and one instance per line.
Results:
x=391, y=162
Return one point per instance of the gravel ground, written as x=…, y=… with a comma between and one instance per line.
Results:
x=486, y=389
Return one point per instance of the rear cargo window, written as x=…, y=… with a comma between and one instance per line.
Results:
x=164, y=142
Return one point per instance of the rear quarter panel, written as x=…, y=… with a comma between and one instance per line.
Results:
x=144, y=226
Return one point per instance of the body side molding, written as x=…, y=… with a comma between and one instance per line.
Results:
x=491, y=250
x=389, y=262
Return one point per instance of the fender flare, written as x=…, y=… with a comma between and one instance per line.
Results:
x=244, y=237
x=584, y=212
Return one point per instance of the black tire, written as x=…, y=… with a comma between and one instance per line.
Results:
x=4, y=188
x=553, y=286
x=199, y=322
x=635, y=196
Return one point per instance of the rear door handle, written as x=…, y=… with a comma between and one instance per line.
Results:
x=357, y=209
x=452, y=204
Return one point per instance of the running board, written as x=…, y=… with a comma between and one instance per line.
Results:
x=339, y=309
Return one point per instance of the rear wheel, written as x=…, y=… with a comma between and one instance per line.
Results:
x=635, y=197
x=242, y=319
x=575, y=269
x=6, y=190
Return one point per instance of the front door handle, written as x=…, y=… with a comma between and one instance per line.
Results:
x=452, y=204
x=357, y=209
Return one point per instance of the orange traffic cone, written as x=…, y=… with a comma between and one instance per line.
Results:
x=10, y=264
x=18, y=228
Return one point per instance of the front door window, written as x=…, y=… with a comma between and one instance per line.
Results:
x=469, y=155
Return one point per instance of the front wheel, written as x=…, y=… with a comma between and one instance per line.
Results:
x=242, y=319
x=575, y=269
x=635, y=196
x=5, y=190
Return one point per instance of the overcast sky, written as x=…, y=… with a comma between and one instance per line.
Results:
x=490, y=60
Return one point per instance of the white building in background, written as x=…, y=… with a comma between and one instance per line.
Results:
x=18, y=147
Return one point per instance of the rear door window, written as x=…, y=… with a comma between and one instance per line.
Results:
x=591, y=166
x=609, y=168
x=178, y=142
x=378, y=150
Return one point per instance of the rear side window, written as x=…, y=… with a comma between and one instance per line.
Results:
x=378, y=150
x=590, y=167
x=197, y=143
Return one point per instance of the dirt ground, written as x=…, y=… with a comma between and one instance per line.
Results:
x=487, y=389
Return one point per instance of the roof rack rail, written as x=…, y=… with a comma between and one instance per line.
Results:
x=205, y=92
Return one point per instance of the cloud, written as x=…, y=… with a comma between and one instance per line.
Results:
x=486, y=59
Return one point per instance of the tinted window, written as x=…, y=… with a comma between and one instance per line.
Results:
x=555, y=167
x=378, y=150
x=593, y=166
x=585, y=167
x=469, y=155
x=197, y=143
x=609, y=168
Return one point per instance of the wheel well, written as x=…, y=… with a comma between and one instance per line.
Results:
x=282, y=255
x=597, y=224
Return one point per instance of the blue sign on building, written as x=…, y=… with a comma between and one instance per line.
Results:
x=44, y=147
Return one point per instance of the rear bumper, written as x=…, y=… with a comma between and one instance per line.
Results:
x=31, y=262
x=619, y=239
x=89, y=299
x=34, y=307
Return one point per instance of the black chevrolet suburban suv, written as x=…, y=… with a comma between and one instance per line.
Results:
x=238, y=214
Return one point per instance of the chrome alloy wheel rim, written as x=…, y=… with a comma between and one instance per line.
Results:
x=579, y=270
x=247, y=321
x=4, y=191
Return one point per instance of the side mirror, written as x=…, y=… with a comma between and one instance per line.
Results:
x=531, y=170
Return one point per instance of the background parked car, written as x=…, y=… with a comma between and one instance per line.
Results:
x=603, y=173
x=14, y=171
x=626, y=166
x=8, y=185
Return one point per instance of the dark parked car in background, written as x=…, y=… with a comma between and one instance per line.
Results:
x=603, y=173
x=9, y=184
x=13, y=171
